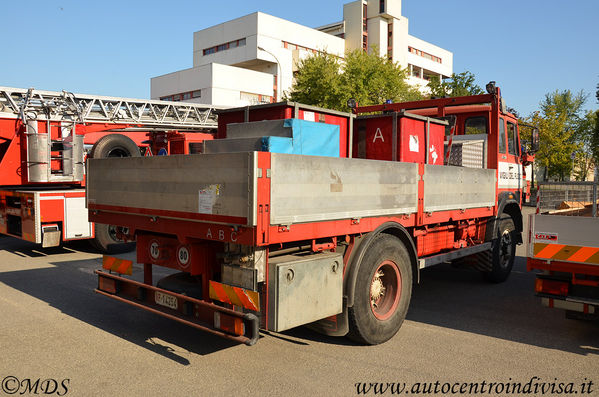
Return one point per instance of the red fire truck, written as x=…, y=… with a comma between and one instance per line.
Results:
x=44, y=139
x=298, y=215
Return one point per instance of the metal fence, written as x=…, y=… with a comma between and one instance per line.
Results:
x=568, y=198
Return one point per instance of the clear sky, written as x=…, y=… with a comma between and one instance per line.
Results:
x=530, y=47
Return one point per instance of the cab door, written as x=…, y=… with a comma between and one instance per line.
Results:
x=509, y=167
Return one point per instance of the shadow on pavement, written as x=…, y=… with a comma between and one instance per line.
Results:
x=69, y=287
x=26, y=249
x=452, y=298
x=460, y=299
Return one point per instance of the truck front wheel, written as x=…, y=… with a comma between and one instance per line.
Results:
x=504, y=252
x=382, y=291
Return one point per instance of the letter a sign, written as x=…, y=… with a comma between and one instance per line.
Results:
x=378, y=135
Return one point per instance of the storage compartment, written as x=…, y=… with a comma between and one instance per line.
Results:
x=75, y=214
x=304, y=289
x=400, y=136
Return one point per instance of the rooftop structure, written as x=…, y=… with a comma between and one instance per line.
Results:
x=252, y=59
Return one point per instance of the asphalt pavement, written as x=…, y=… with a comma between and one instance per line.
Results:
x=459, y=330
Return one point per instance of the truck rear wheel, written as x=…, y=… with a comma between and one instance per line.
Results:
x=503, y=253
x=106, y=240
x=382, y=291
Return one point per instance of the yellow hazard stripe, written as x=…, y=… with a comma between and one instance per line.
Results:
x=121, y=266
x=571, y=253
x=235, y=296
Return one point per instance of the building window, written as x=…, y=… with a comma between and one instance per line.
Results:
x=425, y=55
x=291, y=46
x=381, y=6
x=224, y=46
x=182, y=96
x=390, y=41
x=416, y=71
x=254, y=99
x=365, y=27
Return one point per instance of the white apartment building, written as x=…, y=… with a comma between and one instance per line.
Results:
x=252, y=59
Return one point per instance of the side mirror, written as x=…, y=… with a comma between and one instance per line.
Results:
x=534, y=140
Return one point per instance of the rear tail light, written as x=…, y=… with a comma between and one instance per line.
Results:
x=551, y=287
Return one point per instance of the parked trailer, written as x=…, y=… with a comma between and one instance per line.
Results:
x=45, y=137
x=282, y=236
x=564, y=247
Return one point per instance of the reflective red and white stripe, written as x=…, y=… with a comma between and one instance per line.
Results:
x=235, y=296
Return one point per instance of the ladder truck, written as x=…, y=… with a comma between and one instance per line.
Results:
x=304, y=216
x=45, y=137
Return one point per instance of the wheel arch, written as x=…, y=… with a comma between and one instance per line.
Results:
x=510, y=206
x=361, y=245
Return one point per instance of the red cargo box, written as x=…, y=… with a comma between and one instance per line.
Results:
x=289, y=110
x=399, y=136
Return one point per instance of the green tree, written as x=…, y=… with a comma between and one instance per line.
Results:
x=585, y=157
x=561, y=129
x=461, y=84
x=324, y=80
x=371, y=80
x=318, y=82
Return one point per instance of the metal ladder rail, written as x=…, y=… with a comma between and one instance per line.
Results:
x=84, y=108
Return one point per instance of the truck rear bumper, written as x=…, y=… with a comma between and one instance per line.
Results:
x=217, y=320
x=582, y=305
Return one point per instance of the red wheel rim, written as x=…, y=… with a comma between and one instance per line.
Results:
x=385, y=290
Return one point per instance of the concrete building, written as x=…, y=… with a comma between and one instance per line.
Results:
x=252, y=59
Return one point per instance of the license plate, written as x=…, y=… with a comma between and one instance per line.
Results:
x=165, y=300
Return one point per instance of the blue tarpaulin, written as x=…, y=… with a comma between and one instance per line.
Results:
x=308, y=137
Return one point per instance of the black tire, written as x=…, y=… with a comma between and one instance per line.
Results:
x=382, y=292
x=114, y=145
x=503, y=253
x=107, y=242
